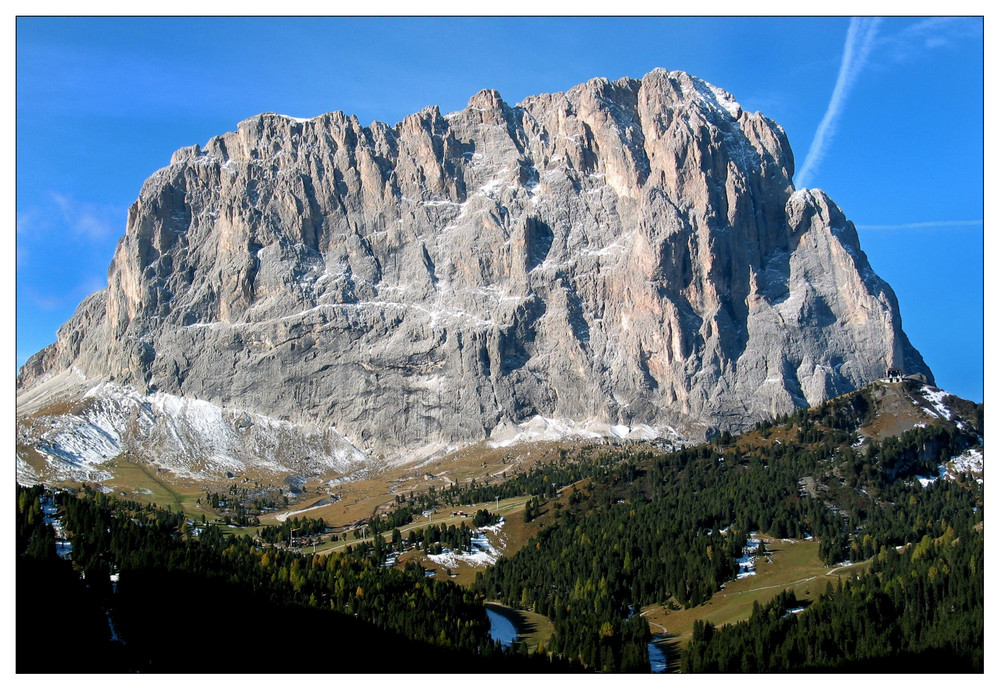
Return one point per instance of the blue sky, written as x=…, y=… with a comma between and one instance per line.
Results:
x=885, y=115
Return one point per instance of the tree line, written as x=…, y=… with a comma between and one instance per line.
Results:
x=666, y=528
x=918, y=610
x=170, y=582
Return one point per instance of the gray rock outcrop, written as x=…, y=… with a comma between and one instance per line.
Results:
x=628, y=252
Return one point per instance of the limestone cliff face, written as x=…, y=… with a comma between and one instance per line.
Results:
x=628, y=252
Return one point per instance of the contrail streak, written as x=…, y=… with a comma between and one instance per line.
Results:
x=860, y=37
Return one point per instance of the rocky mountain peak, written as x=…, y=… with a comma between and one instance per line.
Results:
x=627, y=254
x=487, y=99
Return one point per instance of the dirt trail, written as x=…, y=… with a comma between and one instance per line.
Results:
x=785, y=585
x=325, y=501
x=643, y=614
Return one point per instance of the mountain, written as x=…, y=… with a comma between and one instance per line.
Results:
x=627, y=258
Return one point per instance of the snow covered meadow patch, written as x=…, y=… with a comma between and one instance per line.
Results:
x=25, y=473
x=936, y=399
x=927, y=481
x=64, y=548
x=748, y=560
x=75, y=443
x=483, y=552
x=189, y=437
x=970, y=461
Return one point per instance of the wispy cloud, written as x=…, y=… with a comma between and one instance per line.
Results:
x=62, y=250
x=87, y=221
x=923, y=224
x=861, y=36
x=929, y=34
x=27, y=220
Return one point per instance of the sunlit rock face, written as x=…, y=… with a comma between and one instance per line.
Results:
x=627, y=254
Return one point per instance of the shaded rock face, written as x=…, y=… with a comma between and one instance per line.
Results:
x=629, y=252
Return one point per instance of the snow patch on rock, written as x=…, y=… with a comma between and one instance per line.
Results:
x=189, y=437
x=970, y=461
x=936, y=398
x=540, y=428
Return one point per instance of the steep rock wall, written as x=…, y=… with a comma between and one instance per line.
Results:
x=630, y=252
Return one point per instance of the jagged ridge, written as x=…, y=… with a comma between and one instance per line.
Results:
x=625, y=253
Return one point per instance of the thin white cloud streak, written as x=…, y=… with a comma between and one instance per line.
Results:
x=922, y=224
x=930, y=34
x=87, y=221
x=860, y=37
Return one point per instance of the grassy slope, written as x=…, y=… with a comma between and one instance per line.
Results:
x=792, y=565
x=141, y=478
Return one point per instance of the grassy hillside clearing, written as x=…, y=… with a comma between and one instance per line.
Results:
x=792, y=564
